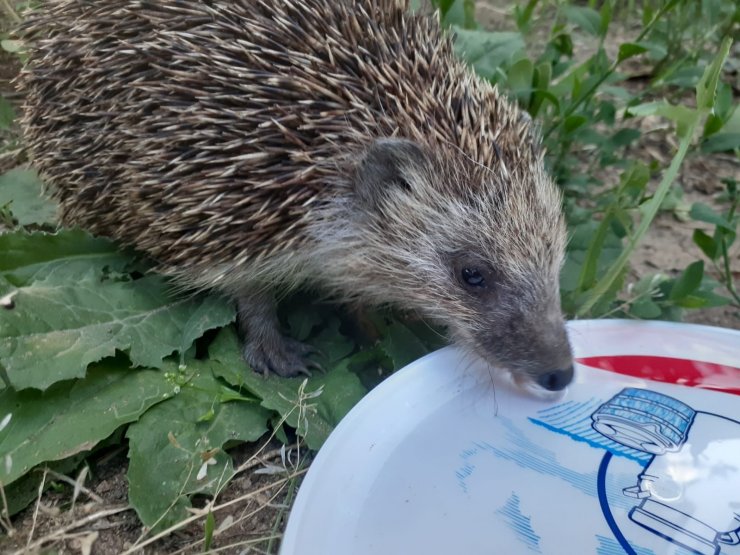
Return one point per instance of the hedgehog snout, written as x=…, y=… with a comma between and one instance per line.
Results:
x=532, y=347
x=556, y=380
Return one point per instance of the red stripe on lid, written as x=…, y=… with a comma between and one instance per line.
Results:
x=691, y=373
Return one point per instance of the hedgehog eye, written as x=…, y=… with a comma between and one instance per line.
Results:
x=473, y=277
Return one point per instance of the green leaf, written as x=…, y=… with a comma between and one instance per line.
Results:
x=213, y=311
x=542, y=76
x=633, y=181
x=303, y=321
x=540, y=96
x=586, y=18
x=574, y=121
x=58, y=326
x=705, y=213
x=7, y=114
x=645, y=308
x=563, y=44
x=460, y=13
x=647, y=14
x=401, y=345
x=721, y=142
x=487, y=51
x=313, y=406
x=605, y=18
x=630, y=49
x=732, y=125
x=624, y=137
x=208, y=528
x=524, y=15
x=68, y=254
x=173, y=454
x=683, y=117
x=444, y=5
x=703, y=299
x=707, y=244
x=71, y=417
x=332, y=345
x=656, y=50
x=519, y=77
x=712, y=125
x=688, y=281
x=707, y=85
x=21, y=190
x=12, y=46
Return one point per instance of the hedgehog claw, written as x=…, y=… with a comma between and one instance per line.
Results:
x=280, y=356
x=265, y=349
x=315, y=365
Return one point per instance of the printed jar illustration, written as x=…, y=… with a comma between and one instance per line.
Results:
x=690, y=488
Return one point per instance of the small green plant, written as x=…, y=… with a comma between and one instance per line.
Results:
x=717, y=246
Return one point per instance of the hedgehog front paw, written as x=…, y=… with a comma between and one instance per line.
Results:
x=279, y=355
x=265, y=349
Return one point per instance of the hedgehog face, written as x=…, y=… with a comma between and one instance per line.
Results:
x=516, y=323
x=480, y=254
x=508, y=278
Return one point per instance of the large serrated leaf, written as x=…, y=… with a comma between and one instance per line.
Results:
x=20, y=190
x=315, y=407
x=57, y=327
x=73, y=416
x=67, y=254
x=175, y=449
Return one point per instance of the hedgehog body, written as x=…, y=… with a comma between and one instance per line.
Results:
x=246, y=145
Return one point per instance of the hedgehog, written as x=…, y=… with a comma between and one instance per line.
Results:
x=255, y=146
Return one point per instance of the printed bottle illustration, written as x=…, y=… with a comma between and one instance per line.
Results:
x=682, y=494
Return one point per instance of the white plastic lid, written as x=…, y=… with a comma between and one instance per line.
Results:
x=438, y=460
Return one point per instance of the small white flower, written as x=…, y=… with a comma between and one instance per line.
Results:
x=204, y=468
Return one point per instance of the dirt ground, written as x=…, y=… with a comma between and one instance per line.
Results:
x=100, y=522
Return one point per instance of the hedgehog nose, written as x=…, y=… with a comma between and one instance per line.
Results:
x=555, y=380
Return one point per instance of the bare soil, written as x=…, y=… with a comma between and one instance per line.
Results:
x=102, y=523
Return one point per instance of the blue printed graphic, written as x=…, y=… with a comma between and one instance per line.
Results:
x=668, y=480
x=609, y=546
x=519, y=523
x=682, y=494
x=520, y=450
x=573, y=419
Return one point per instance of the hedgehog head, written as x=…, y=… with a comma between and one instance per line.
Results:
x=477, y=248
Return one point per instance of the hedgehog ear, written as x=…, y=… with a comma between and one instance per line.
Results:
x=384, y=167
